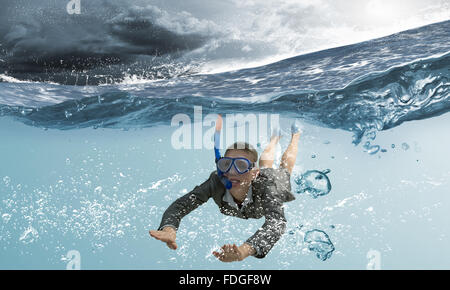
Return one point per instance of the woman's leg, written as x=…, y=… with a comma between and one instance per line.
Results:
x=290, y=155
x=268, y=156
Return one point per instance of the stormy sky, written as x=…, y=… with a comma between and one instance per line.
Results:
x=40, y=36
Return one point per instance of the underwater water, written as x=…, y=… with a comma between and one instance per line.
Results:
x=93, y=168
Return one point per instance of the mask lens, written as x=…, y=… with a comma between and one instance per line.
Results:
x=224, y=164
x=242, y=165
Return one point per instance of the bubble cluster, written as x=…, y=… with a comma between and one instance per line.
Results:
x=84, y=206
x=313, y=182
x=319, y=242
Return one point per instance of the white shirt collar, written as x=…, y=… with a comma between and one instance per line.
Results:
x=227, y=197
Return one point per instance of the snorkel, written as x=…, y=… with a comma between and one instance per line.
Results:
x=222, y=177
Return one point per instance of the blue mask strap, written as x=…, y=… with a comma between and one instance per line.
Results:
x=224, y=180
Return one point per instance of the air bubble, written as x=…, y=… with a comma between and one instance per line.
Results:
x=405, y=146
x=6, y=217
x=319, y=242
x=372, y=150
x=314, y=183
x=6, y=180
x=29, y=235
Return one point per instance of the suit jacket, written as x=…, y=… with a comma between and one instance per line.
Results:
x=270, y=190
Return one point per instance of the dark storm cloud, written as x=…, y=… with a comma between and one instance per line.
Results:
x=138, y=30
x=37, y=39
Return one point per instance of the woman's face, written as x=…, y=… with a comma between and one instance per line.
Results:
x=240, y=180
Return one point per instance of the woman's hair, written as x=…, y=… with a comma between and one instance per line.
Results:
x=244, y=147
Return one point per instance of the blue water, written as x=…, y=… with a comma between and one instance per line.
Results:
x=92, y=168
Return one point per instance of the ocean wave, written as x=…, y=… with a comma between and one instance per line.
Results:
x=113, y=42
x=374, y=102
x=380, y=100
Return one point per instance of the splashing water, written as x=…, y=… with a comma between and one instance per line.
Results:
x=319, y=242
x=315, y=183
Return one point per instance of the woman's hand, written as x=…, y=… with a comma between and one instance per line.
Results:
x=167, y=235
x=232, y=253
